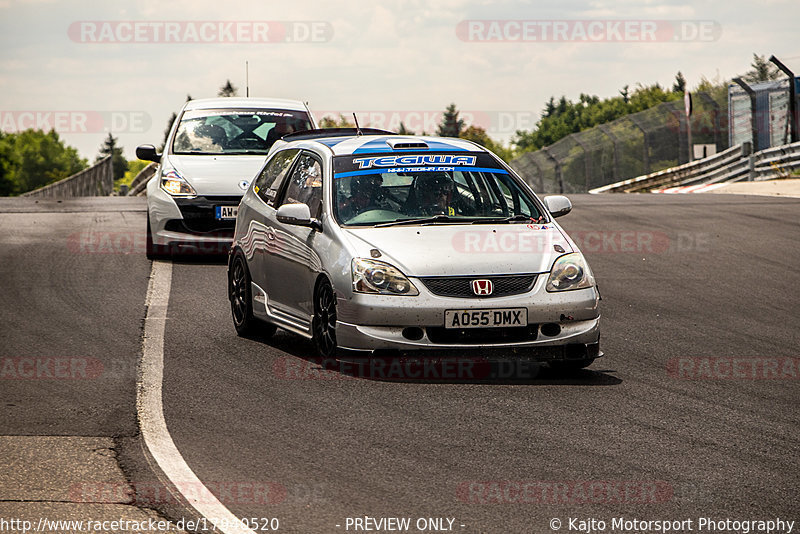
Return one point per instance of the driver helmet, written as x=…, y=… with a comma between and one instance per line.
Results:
x=368, y=185
x=432, y=186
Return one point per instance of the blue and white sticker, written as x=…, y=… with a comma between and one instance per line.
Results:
x=411, y=160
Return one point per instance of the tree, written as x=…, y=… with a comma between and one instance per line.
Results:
x=646, y=97
x=228, y=90
x=761, y=70
x=402, y=130
x=32, y=158
x=342, y=122
x=9, y=161
x=716, y=88
x=118, y=161
x=478, y=135
x=170, y=122
x=680, y=83
x=564, y=117
x=451, y=125
x=625, y=94
x=135, y=166
x=550, y=108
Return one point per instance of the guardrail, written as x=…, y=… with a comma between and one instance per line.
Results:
x=777, y=162
x=139, y=184
x=96, y=181
x=732, y=165
x=677, y=175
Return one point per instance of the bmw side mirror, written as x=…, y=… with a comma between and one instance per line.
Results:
x=148, y=153
x=297, y=215
x=557, y=205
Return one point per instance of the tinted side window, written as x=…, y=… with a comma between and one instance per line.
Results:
x=305, y=184
x=271, y=176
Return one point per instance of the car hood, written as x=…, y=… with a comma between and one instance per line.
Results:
x=218, y=175
x=463, y=250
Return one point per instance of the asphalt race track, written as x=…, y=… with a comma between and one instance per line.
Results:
x=692, y=413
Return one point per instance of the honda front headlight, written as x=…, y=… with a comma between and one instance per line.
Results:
x=570, y=272
x=370, y=276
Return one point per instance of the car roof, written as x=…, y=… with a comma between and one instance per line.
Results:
x=371, y=144
x=238, y=103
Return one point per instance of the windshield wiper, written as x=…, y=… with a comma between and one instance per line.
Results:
x=426, y=220
x=463, y=220
x=514, y=218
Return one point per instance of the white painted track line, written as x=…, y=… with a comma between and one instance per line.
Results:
x=150, y=410
x=699, y=188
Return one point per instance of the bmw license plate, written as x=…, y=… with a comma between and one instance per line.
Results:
x=498, y=317
x=226, y=212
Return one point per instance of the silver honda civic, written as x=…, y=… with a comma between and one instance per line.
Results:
x=370, y=241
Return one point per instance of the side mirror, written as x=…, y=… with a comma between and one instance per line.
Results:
x=148, y=153
x=297, y=215
x=557, y=205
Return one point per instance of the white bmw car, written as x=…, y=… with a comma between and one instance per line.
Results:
x=212, y=152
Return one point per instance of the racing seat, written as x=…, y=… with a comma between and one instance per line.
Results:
x=278, y=131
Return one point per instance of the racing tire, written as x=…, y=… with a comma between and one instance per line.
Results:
x=241, y=299
x=153, y=251
x=323, y=324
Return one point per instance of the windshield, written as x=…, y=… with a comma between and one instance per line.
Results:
x=235, y=131
x=381, y=189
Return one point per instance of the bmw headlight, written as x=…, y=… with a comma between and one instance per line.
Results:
x=370, y=276
x=174, y=184
x=570, y=272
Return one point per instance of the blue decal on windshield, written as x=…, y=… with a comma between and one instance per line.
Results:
x=419, y=169
x=415, y=159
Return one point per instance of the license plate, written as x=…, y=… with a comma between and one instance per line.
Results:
x=494, y=318
x=226, y=212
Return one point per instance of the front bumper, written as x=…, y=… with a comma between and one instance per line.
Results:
x=190, y=223
x=564, y=325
